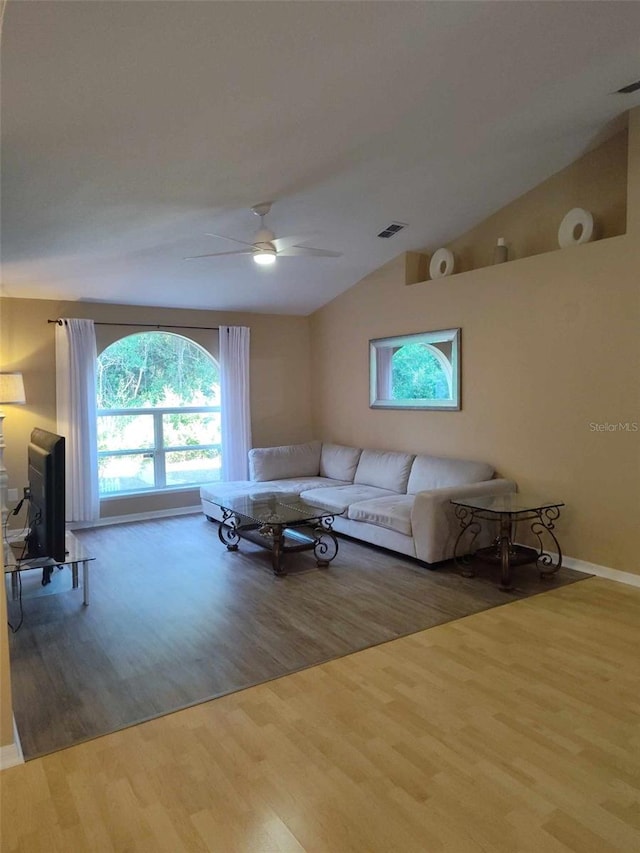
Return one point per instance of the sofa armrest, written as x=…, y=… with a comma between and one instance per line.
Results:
x=433, y=520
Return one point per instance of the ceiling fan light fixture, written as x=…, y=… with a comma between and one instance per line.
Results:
x=266, y=248
x=265, y=257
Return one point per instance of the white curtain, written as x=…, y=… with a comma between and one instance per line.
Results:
x=234, y=402
x=76, y=359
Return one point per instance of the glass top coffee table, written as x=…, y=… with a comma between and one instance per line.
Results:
x=280, y=522
x=507, y=510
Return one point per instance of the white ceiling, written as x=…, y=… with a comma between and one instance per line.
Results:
x=129, y=129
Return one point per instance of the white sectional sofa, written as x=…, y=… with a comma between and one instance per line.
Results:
x=396, y=500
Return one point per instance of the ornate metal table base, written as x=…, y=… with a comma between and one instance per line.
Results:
x=504, y=551
x=280, y=538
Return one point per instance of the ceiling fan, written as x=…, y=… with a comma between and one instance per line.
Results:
x=266, y=247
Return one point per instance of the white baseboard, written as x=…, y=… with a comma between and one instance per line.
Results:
x=11, y=754
x=135, y=516
x=629, y=578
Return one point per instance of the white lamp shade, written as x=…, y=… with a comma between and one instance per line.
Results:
x=11, y=388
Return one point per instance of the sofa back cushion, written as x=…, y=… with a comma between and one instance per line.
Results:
x=291, y=460
x=386, y=469
x=339, y=462
x=437, y=472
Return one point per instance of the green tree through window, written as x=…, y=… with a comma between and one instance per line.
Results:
x=155, y=369
x=418, y=374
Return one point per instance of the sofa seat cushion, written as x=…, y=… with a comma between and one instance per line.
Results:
x=385, y=469
x=339, y=498
x=392, y=512
x=339, y=462
x=437, y=472
x=292, y=460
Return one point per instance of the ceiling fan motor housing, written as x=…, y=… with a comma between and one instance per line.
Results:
x=264, y=236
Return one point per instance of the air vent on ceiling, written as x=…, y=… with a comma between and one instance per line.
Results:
x=392, y=229
x=627, y=90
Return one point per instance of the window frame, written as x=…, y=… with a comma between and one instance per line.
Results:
x=158, y=451
x=381, y=347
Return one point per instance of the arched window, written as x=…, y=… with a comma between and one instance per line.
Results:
x=158, y=414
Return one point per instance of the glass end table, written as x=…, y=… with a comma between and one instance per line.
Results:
x=507, y=510
x=75, y=555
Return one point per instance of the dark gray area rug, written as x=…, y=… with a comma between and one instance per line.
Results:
x=175, y=619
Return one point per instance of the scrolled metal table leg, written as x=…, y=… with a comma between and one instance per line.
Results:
x=276, y=552
x=325, y=546
x=227, y=532
x=505, y=553
x=468, y=523
x=545, y=523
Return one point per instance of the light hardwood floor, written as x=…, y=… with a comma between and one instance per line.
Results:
x=516, y=729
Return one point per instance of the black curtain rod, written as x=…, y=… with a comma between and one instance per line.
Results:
x=60, y=321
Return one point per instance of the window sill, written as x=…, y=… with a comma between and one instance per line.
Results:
x=143, y=492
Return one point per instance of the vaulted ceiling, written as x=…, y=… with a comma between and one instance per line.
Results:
x=131, y=129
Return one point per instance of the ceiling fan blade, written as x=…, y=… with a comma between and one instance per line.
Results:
x=233, y=239
x=282, y=243
x=220, y=254
x=307, y=251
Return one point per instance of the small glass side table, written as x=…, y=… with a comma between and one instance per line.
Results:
x=507, y=510
x=75, y=556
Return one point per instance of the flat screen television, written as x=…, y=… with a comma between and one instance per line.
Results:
x=47, y=498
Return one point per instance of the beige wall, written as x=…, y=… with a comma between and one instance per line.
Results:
x=550, y=345
x=280, y=375
x=596, y=182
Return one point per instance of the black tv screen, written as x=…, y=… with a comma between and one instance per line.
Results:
x=47, y=501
